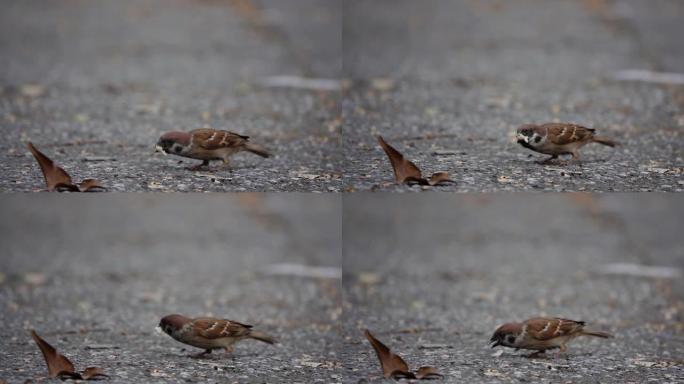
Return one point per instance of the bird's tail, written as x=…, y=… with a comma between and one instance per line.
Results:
x=262, y=337
x=257, y=150
x=604, y=141
x=603, y=335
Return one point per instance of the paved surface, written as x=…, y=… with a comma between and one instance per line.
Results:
x=434, y=276
x=104, y=80
x=95, y=275
x=457, y=77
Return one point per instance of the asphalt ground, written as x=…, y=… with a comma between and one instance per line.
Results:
x=432, y=276
x=94, y=85
x=448, y=82
x=93, y=276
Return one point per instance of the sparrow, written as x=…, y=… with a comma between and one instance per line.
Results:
x=541, y=333
x=558, y=139
x=210, y=333
x=207, y=144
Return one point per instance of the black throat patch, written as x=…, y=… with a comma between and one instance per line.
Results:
x=525, y=144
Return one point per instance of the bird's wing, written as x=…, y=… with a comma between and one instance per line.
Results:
x=214, y=139
x=562, y=134
x=548, y=328
x=217, y=328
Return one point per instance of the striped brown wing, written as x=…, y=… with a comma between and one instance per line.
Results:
x=563, y=134
x=548, y=328
x=214, y=139
x=218, y=328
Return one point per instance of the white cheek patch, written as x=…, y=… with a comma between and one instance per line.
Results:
x=158, y=148
x=158, y=329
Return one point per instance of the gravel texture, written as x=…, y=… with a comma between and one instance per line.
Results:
x=103, y=80
x=448, y=82
x=94, y=84
x=95, y=275
x=432, y=277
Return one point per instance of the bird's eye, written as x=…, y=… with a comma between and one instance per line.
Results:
x=537, y=139
x=178, y=149
x=511, y=339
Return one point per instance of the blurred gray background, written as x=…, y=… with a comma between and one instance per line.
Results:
x=447, y=82
x=94, y=85
x=433, y=276
x=95, y=274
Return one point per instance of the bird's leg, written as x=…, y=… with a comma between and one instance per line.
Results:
x=229, y=350
x=226, y=163
x=575, y=158
x=553, y=157
x=205, y=163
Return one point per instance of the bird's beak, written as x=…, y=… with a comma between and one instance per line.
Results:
x=158, y=148
x=496, y=343
x=158, y=329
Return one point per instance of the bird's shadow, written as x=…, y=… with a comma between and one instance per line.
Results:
x=560, y=161
x=554, y=356
x=218, y=356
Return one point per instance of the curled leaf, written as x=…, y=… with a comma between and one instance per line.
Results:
x=94, y=373
x=392, y=365
x=91, y=185
x=428, y=373
x=55, y=177
x=57, y=364
x=404, y=170
x=438, y=178
x=395, y=367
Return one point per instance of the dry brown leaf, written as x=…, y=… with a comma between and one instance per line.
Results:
x=391, y=364
x=428, y=373
x=55, y=176
x=57, y=364
x=405, y=172
x=93, y=373
x=91, y=185
x=57, y=179
x=395, y=367
x=440, y=178
x=60, y=366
